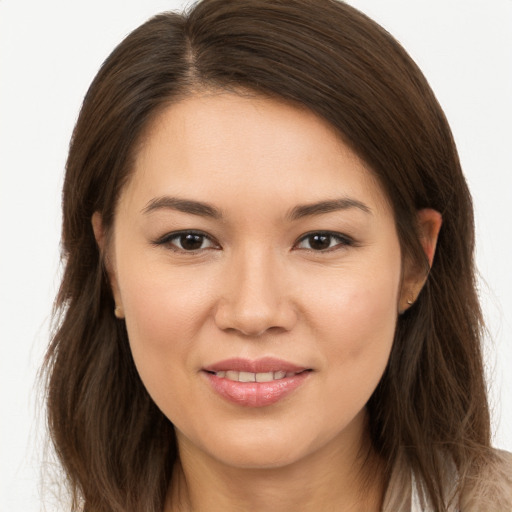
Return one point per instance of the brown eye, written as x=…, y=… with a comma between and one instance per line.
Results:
x=323, y=241
x=187, y=241
x=319, y=242
x=191, y=241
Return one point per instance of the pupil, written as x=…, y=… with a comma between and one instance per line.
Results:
x=191, y=242
x=319, y=242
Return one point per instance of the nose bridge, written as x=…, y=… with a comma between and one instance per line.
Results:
x=254, y=298
x=256, y=280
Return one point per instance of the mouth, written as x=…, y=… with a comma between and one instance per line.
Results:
x=257, y=383
x=279, y=368
x=241, y=376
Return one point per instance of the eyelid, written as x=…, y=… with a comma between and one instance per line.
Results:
x=169, y=237
x=344, y=241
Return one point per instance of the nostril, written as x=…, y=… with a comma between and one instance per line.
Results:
x=254, y=319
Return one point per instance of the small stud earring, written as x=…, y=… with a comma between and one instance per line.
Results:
x=410, y=302
x=118, y=312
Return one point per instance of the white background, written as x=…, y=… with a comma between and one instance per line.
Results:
x=49, y=52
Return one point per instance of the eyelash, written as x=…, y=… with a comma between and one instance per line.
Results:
x=343, y=240
x=167, y=240
x=177, y=235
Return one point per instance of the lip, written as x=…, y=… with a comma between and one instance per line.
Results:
x=255, y=394
x=265, y=364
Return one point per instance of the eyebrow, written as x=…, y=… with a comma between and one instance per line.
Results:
x=345, y=203
x=207, y=210
x=182, y=205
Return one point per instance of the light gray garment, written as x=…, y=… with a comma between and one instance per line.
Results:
x=488, y=491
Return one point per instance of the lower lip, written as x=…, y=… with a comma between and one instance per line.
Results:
x=256, y=394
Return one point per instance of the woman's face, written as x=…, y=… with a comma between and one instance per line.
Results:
x=257, y=266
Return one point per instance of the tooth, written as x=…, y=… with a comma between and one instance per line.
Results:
x=254, y=377
x=264, y=377
x=247, y=377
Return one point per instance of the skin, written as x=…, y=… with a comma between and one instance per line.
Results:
x=258, y=287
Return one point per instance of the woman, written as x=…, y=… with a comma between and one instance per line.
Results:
x=269, y=298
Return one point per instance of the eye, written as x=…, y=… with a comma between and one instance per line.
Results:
x=187, y=241
x=323, y=241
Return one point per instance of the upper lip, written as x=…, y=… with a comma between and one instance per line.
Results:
x=263, y=365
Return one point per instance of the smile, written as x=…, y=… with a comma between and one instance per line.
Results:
x=254, y=377
x=258, y=383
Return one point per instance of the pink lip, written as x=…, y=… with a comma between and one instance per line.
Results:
x=263, y=365
x=255, y=394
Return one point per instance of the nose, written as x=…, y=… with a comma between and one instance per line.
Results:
x=255, y=298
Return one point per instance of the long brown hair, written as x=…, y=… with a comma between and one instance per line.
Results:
x=116, y=447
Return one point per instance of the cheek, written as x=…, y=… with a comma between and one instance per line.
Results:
x=357, y=305
x=164, y=313
x=369, y=314
x=162, y=302
x=358, y=320
x=366, y=321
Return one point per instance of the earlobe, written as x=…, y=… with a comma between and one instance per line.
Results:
x=429, y=225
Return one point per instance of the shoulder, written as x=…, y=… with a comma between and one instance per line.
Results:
x=486, y=488
x=489, y=487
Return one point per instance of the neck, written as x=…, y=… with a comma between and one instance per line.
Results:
x=340, y=477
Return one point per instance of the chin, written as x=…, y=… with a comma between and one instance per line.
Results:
x=260, y=457
x=261, y=448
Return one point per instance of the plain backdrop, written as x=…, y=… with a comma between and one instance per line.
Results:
x=49, y=53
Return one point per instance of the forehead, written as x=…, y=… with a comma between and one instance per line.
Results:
x=212, y=143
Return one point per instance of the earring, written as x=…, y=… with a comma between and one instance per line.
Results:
x=118, y=312
x=409, y=302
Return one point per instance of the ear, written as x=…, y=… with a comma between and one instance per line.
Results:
x=99, y=231
x=101, y=240
x=414, y=275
